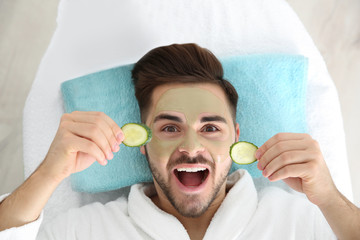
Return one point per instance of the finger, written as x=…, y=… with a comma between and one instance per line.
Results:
x=118, y=133
x=279, y=148
x=278, y=138
x=98, y=118
x=86, y=146
x=300, y=170
x=93, y=133
x=113, y=125
x=287, y=158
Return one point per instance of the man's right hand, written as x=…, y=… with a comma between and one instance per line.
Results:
x=82, y=139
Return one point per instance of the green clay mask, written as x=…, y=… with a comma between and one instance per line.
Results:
x=199, y=120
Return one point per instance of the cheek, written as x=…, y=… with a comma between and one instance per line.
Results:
x=219, y=149
x=161, y=149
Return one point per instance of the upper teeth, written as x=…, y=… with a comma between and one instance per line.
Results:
x=191, y=169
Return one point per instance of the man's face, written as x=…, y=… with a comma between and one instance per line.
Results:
x=189, y=152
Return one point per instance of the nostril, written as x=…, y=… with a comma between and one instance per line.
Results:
x=192, y=150
x=191, y=143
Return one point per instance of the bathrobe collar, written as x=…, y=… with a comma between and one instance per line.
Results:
x=229, y=221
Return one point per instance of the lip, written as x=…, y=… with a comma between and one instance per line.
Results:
x=191, y=190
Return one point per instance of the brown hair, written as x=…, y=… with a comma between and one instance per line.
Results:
x=178, y=63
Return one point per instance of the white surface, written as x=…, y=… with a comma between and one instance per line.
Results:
x=335, y=28
x=111, y=33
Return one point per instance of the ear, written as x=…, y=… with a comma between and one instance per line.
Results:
x=142, y=150
x=237, y=130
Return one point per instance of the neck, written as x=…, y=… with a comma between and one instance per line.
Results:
x=195, y=226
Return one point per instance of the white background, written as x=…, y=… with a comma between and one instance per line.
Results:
x=26, y=27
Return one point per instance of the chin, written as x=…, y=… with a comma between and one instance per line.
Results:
x=191, y=208
x=191, y=204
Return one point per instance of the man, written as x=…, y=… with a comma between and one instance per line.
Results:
x=191, y=111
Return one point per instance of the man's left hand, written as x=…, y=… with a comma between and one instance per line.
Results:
x=296, y=159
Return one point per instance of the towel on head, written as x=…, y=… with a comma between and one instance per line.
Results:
x=272, y=96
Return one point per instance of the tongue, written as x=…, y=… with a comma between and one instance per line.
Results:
x=190, y=178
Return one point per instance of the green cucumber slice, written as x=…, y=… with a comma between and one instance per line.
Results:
x=136, y=134
x=243, y=152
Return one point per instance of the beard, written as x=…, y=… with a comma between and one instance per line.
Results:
x=189, y=205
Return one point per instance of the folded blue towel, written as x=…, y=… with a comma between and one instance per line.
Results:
x=272, y=96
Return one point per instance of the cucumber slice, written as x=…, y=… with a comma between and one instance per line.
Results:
x=243, y=152
x=136, y=134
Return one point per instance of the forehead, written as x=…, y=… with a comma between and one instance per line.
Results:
x=189, y=99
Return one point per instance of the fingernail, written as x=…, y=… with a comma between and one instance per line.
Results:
x=104, y=162
x=120, y=137
x=257, y=154
x=116, y=147
x=110, y=156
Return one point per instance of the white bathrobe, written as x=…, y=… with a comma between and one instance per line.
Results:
x=269, y=213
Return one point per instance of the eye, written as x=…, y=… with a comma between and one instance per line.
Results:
x=170, y=129
x=209, y=128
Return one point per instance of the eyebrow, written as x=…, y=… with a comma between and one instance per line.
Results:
x=167, y=117
x=212, y=119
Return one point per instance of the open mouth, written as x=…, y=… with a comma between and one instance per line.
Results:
x=191, y=176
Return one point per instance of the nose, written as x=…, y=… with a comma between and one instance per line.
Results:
x=191, y=144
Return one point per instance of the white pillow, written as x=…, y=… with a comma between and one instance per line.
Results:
x=94, y=35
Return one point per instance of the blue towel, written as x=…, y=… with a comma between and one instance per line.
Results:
x=272, y=96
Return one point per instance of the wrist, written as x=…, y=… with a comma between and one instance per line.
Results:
x=25, y=204
x=48, y=175
x=342, y=216
x=332, y=199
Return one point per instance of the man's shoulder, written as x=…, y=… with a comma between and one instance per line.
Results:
x=277, y=200
x=98, y=207
x=97, y=218
x=278, y=195
x=94, y=210
x=118, y=205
